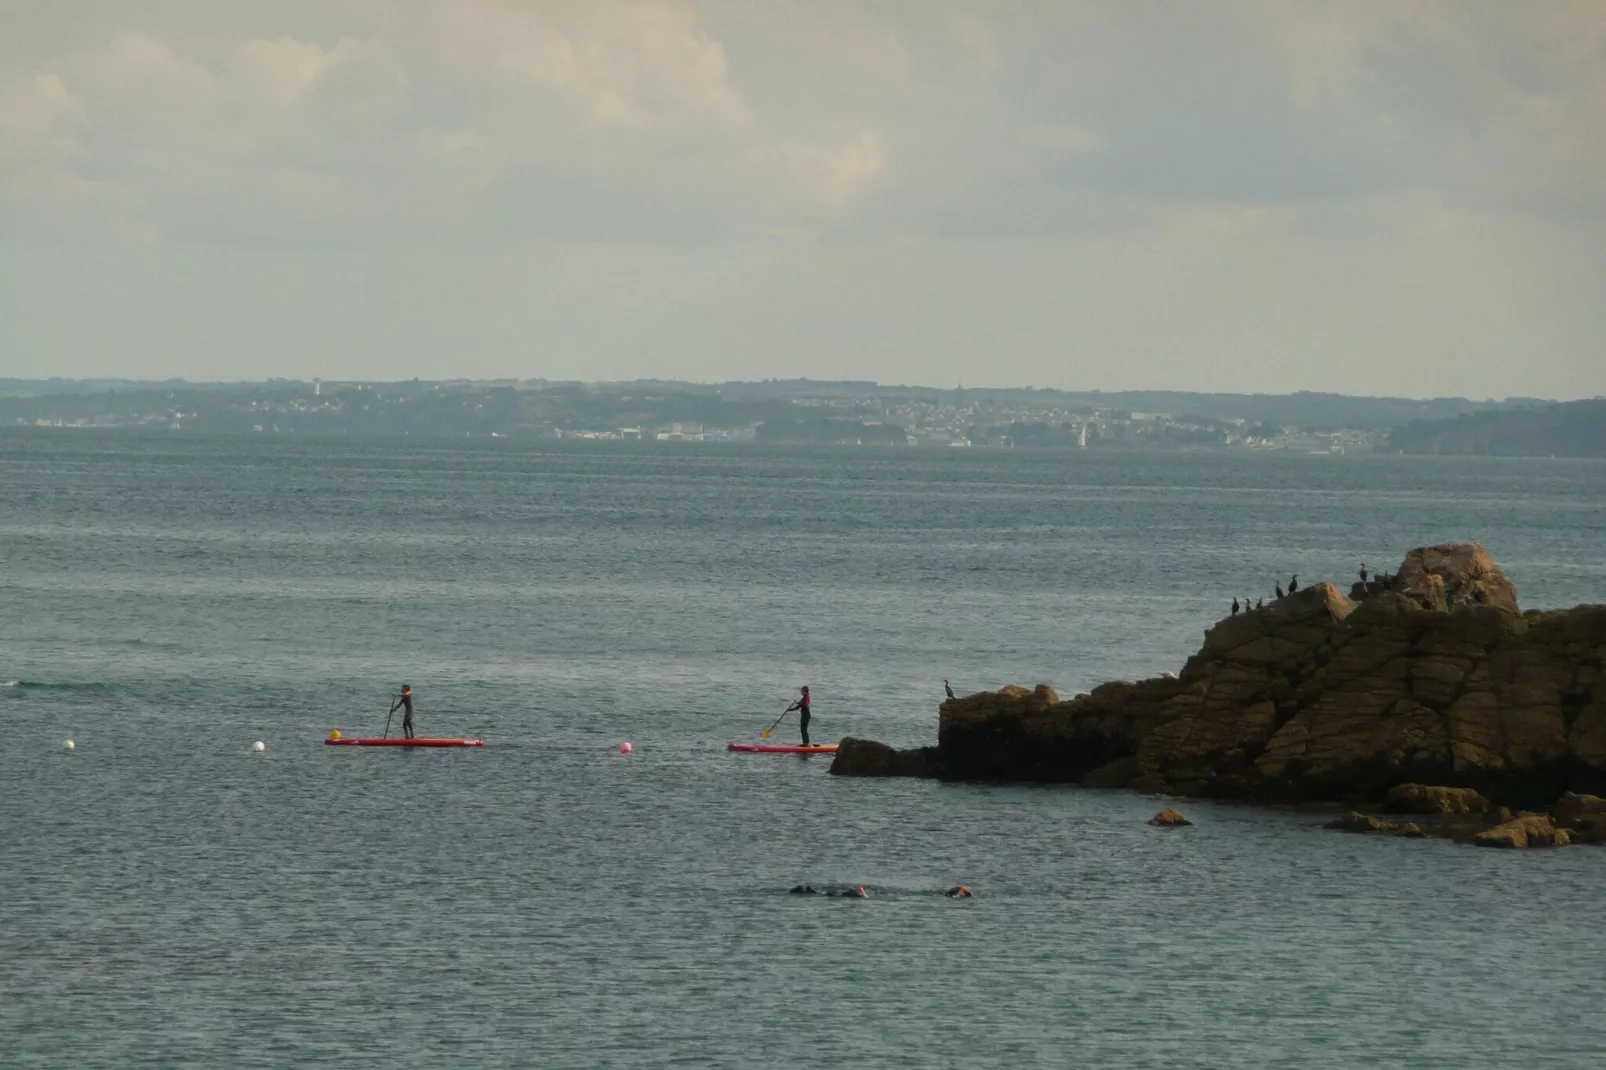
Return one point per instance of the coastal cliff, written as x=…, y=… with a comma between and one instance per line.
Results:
x=1431, y=676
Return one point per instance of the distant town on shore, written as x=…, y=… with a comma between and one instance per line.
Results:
x=822, y=412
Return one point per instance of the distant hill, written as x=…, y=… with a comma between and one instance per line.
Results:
x=1568, y=429
x=1306, y=409
x=733, y=403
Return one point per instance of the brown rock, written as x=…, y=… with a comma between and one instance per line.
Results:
x=1423, y=799
x=1529, y=830
x=1591, y=828
x=866, y=757
x=1355, y=821
x=1169, y=818
x=1572, y=808
x=1454, y=575
x=1117, y=774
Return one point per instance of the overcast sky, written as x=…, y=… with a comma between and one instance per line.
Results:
x=1396, y=197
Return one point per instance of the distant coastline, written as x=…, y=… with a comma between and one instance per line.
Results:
x=820, y=412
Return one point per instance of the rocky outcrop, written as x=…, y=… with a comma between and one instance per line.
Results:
x=1528, y=830
x=1436, y=681
x=866, y=757
x=1169, y=818
x=1355, y=821
x=1423, y=799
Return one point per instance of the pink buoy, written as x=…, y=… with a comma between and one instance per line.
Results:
x=624, y=748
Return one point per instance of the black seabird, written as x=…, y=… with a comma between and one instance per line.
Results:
x=1363, y=571
x=1234, y=605
x=948, y=689
x=1279, y=590
x=1293, y=584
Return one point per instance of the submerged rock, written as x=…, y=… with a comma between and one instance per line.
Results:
x=1169, y=818
x=1528, y=830
x=1423, y=799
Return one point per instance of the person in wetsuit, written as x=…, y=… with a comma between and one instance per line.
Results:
x=404, y=701
x=802, y=708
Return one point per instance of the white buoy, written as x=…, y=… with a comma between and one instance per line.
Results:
x=259, y=746
x=69, y=745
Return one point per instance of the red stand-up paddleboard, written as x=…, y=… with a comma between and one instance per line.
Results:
x=780, y=748
x=337, y=740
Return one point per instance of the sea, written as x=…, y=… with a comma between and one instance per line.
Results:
x=172, y=897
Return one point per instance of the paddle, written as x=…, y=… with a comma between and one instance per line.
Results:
x=388, y=716
x=766, y=733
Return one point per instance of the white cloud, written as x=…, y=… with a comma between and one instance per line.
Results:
x=722, y=117
x=1222, y=138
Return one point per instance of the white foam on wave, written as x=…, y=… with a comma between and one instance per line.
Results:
x=12, y=683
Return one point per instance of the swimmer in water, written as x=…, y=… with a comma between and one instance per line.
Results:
x=958, y=891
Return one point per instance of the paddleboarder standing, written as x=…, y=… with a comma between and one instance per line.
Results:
x=802, y=708
x=404, y=701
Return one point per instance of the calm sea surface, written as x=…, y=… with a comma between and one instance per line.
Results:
x=169, y=898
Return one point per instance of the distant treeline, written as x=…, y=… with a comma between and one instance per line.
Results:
x=1569, y=429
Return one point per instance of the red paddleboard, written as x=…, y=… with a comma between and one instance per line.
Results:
x=419, y=741
x=781, y=748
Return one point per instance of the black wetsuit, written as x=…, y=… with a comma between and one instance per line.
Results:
x=803, y=719
x=405, y=701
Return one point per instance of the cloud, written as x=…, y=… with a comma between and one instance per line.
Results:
x=371, y=121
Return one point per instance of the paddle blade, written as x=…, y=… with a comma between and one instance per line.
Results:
x=766, y=733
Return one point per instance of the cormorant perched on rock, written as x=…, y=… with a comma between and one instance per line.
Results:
x=948, y=689
x=1363, y=571
x=1293, y=584
x=1234, y=605
x=1260, y=603
x=1279, y=590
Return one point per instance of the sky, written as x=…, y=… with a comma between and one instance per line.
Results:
x=1401, y=197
